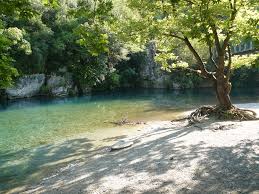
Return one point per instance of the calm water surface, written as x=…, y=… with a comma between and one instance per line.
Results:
x=27, y=124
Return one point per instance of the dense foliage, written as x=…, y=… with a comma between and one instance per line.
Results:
x=69, y=35
x=11, y=38
x=245, y=71
x=216, y=24
x=102, y=42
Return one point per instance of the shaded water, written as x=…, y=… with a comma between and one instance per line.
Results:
x=27, y=124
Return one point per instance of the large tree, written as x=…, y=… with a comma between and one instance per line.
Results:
x=11, y=36
x=216, y=23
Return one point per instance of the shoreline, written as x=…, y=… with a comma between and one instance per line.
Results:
x=165, y=157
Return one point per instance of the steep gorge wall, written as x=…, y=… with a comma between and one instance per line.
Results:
x=151, y=75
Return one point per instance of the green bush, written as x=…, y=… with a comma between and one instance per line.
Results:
x=111, y=82
x=245, y=71
x=129, y=77
x=45, y=90
x=186, y=80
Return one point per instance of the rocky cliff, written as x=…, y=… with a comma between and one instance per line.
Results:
x=40, y=84
x=26, y=86
x=60, y=85
x=151, y=75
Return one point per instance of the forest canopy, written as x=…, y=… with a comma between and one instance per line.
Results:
x=89, y=38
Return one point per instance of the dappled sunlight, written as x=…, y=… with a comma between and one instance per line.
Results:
x=185, y=157
x=35, y=164
x=129, y=96
x=163, y=152
x=170, y=157
x=228, y=169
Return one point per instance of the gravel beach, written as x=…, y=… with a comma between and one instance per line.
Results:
x=166, y=157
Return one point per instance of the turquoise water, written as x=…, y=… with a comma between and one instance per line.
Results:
x=28, y=124
x=33, y=122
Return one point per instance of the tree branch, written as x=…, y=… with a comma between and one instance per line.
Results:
x=225, y=43
x=198, y=72
x=211, y=57
x=216, y=38
x=231, y=20
x=230, y=4
x=229, y=64
x=197, y=57
x=203, y=71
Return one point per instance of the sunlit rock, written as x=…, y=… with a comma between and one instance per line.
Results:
x=59, y=85
x=151, y=75
x=26, y=86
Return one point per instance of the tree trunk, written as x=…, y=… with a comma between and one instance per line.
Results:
x=222, y=85
x=223, y=90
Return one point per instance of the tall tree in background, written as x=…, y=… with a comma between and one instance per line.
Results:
x=11, y=36
x=91, y=64
x=217, y=23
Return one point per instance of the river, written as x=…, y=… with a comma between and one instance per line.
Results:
x=29, y=124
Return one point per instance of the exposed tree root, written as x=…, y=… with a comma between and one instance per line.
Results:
x=220, y=113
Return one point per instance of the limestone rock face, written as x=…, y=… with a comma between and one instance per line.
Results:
x=59, y=85
x=176, y=86
x=151, y=74
x=26, y=86
x=33, y=85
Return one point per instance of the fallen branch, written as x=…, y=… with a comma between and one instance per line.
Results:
x=125, y=121
x=222, y=127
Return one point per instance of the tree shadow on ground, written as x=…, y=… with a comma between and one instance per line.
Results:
x=160, y=164
x=229, y=169
x=114, y=138
x=29, y=165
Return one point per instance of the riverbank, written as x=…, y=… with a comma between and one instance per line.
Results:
x=166, y=158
